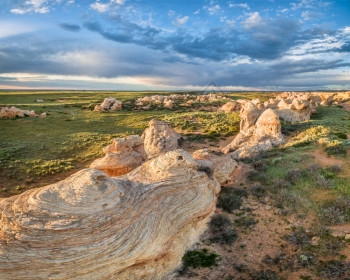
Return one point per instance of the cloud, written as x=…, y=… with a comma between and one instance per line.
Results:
x=104, y=7
x=214, y=9
x=100, y=7
x=253, y=20
x=29, y=6
x=70, y=27
x=182, y=20
x=241, y=5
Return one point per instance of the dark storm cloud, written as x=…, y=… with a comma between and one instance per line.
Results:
x=268, y=40
x=70, y=27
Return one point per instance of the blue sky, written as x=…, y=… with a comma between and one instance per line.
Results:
x=172, y=45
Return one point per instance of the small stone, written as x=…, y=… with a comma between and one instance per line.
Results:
x=315, y=240
x=347, y=236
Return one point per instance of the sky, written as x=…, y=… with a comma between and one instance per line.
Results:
x=175, y=45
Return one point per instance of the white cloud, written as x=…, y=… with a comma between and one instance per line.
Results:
x=182, y=20
x=253, y=20
x=30, y=6
x=100, y=7
x=241, y=5
x=171, y=13
x=197, y=12
x=214, y=9
x=231, y=22
x=104, y=7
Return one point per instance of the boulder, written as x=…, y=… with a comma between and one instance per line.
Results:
x=13, y=112
x=122, y=156
x=249, y=115
x=91, y=226
x=109, y=104
x=159, y=138
x=231, y=106
x=223, y=165
x=169, y=104
x=295, y=110
x=264, y=135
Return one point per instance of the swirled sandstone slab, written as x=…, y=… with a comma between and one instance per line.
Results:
x=91, y=226
x=122, y=156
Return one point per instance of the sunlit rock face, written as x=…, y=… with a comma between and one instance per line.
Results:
x=91, y=226
x=263, y=135
x=159, y=138
x=122, y=156
x=222, y=165
x=109, y=104
x=231, y=106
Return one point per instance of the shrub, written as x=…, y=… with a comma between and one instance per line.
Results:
x=199, y=258
x=230, y=199
x=334, y=269
x=221, y=230
x=293, y=176
x=258, y=190
x=266, y=275
x=299, y=237
x=245, y=221
x=336, y=212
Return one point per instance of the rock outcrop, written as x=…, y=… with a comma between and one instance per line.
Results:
x=91, y=226
x=231, y=106
x=295, y=110
x=223, y=165
x=264, y=134
x=159, y=138
x=122, y=156
x=109, y=104
x=13, y=112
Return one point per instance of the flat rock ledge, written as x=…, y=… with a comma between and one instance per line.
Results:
x=92, y=226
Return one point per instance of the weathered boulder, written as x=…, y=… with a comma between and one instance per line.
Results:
x=13, y=112
x=109, y=104
x=231, y=106
x=122, y=156
x=264, y=135
x=223, y=165
x=295, y=110
x=249, y=115
x=159, y=138
x=91, y=226
x=169, y=104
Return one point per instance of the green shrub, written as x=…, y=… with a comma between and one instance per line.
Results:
x=230, y=199
x=221, y=230
x=199, y=258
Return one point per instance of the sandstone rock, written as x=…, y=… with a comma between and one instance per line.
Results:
x=249, y=115
x=263, y=135
x=122, y=156
x=223, y=165
x=109, y=104
x=13, y=112
x=169, y=104
x=159, y=138
x=43, y=115
x=91, y=226
x=231, y=106
x=295, y=110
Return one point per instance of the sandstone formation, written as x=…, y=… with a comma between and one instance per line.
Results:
x=223, y=165
x=13, y=112
x=295, y=110
x=231, y=106
x=122, y=156
x=109, y=104
x=159, y=138
x=253, y=138
x=91, y=226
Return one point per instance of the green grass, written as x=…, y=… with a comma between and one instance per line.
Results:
x=35, y=150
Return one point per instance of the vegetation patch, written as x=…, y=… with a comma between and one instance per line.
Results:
x=200, y=258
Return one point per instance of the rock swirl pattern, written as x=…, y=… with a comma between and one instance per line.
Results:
x=91, y=226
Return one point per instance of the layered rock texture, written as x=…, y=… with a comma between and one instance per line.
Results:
x=109, y=104
x=91, y=226
x=13, y=112
x=122, y=156
x=260, y=130
x=159, y=138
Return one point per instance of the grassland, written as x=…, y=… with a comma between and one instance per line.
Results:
x=38, y=151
